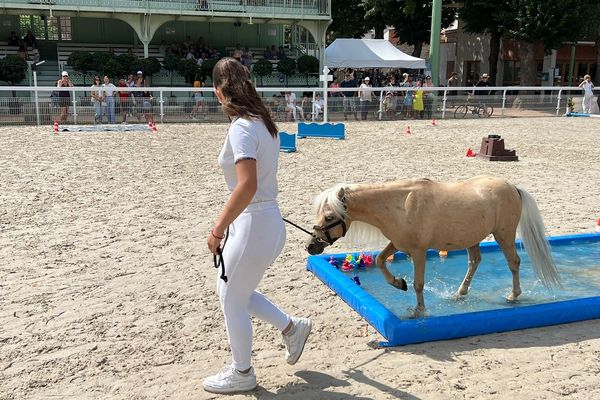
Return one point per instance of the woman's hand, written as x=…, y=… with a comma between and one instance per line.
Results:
x=214, y=242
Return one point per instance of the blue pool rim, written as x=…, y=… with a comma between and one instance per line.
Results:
x=400, y=332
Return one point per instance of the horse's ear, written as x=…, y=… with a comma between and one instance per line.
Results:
x=341, y=194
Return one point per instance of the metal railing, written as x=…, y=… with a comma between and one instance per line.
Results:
x=257, y=7
x=36, y=106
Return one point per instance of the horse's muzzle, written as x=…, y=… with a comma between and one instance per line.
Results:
x=315, y=247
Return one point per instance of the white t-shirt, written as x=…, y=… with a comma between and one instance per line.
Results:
x=587, y=88
x=249, y=138
x=108, y=89
x=290, y=99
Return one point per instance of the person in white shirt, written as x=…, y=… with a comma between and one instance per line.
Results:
x=292, y=107
x=108, y=99
x=318, y=105
x=249, y=232
x=365, y=94
x=588, y=93
x=96, y=95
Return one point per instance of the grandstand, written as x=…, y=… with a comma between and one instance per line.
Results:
x=143, y=27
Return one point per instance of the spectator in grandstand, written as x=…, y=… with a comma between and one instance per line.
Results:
x=247, y=58
x=249, y=161
x=268, y=55
x=29, y=39
x=64, y=95
x=13, y=39
x=588, y=94
x=162, y=49
x=187, y=43
x=273, y=53
x=349, y=102
x=365, y=96
x=109, y=99
x=281, y=53
x=237, y=53
x=124, y=99
x=198, y=98
x=96, y=97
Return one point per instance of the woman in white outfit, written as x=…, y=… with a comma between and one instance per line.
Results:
x=292, y=107
x=249, y=233
x=588, y=93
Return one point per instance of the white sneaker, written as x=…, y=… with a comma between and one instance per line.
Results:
x=230, y=380
x=295, y=340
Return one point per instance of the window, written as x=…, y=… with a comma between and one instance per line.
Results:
x=46, y=28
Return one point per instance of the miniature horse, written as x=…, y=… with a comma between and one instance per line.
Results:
x=415, y=215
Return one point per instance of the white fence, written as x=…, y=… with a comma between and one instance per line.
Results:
x=36, y=106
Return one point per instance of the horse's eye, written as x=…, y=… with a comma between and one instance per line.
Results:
x=329, y=218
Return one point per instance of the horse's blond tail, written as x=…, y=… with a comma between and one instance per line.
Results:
x=531, y=230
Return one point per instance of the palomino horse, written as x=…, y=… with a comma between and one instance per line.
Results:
x=414, y=215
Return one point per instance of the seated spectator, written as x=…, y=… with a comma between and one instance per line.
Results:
x=281, y=53
x=13, y=39
x=187, y=44
x=237, y=53
x=292, y=107
x=268, y=55
x=162, y=49
x=247, y=59
x=30, y=40
x=318, y=105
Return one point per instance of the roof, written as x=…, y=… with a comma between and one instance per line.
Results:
x=369, y=53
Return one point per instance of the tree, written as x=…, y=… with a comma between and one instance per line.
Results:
x=348, y=20
x=12, y=70
x=189, y=69
x=100, y=60
x=113, y=68
x=171, y=63
x=206, y=69
x=128, y=62
x=287, y=67
x=591, y=30
x=81, y=61
x=262, y=67
x=550, y=22
x=149, y=65
x=307, y=65
x=485, y=17
x=412, y=22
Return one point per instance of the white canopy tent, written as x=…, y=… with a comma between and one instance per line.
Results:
x=368, y=53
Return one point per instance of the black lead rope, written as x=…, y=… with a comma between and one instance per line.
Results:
x=299, y=227
x=218, y=258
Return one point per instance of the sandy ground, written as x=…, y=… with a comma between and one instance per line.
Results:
x=107, y=288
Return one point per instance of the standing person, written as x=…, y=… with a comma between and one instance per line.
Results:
x=348, y=96
x=390, y=101
x=418, y=101
x=96, y=95
x=483, y=82
x=366, y=96
x=249, y=233
x=124, y=99
x=64, y=96
x=451, y=83
x=588, y=94
x=428, y=96
x=407, y=104
x=109, y=99
x=198, y=98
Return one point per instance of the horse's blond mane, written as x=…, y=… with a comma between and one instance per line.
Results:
x=360, y=233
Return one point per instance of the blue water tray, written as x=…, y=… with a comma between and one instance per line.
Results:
x=400, y=331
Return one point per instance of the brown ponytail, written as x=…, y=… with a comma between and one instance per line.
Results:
x=240, y=98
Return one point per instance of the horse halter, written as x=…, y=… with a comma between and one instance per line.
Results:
x=325, y=230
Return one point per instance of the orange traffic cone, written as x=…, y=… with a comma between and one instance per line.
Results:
x=433, y=122
x=55, y=126
x=471, y=153
x=598, y=226
x=407, y=130
x=151, y=126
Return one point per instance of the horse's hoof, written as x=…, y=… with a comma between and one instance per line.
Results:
x=400, y=283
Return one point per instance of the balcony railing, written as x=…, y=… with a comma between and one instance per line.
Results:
x=304, y=8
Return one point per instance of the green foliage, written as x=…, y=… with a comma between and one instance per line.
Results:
x=128, y=62
x=81, y=61
x=206, y=69
x=348, y=20
x=13, y=69
x=308, y=64
x=262, y=68
x=113, y=68
x=100, y=59
x=286, y=66
x=149, y=65
x=188, y=69
x=171, y=62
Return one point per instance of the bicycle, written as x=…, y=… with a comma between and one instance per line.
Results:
x=480, y=109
